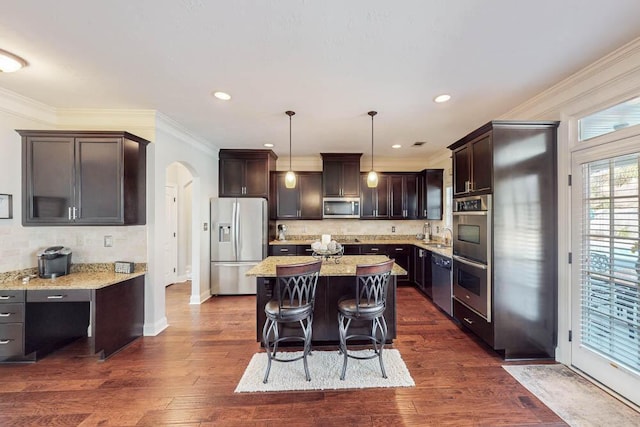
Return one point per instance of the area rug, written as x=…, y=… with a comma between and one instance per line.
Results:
x=573, y=398
x=325, y=368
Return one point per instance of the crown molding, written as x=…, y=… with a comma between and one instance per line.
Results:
x=26, y=108
x=620, y=67
x=139, y=122
x=175, y=129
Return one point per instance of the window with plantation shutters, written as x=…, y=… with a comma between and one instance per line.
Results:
x=610, y=269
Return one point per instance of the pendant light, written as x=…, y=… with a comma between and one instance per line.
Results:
x=372, y=177
x=290, y=177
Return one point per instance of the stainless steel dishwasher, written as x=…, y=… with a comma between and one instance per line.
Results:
x=441, y=282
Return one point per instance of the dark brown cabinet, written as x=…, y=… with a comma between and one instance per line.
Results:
x=430, y=194
x=472, y=165
x=400, y=253
x=11, y=324
x=403, y=196
x=341, y=174
x=83, y=177
x=422, y=270
x=302, y=202
x=374, y=202
x=245, y=173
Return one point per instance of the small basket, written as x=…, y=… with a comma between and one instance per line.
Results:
x=124, y=267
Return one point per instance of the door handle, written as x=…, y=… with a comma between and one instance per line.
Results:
x=469, y=263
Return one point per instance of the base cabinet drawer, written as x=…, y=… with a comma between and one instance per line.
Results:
x=62, y=295
x=473, y=321
x=11, y=296
x=282, y=250
x=11, y=340
x=11, y=313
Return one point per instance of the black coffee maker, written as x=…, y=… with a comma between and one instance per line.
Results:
x=54, y=261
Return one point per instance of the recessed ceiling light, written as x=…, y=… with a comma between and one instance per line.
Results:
x=222, y=95
x=268, y=145
x=10, y=62
x=442, y=98
x=396, y=146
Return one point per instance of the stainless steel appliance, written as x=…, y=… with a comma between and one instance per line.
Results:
x=239, y=239
x=341, y=207
x=54, y=261
x=441, y=282
x=472, y=253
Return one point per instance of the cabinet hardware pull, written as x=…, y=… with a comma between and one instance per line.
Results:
x=469, y=321
x=55, y=296
x=5, y=341
x=308, y=250
x=375, y=249
x=425, y=213
x=399, y=249
x=74, y=213
x=5, y=296
x=284, y=250
x=69, y=213
x=5, y=314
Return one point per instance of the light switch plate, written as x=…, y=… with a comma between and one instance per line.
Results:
x=108, y=241
x=205, y=226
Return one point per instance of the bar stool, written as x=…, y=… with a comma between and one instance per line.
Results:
x=370, y=300
x=294, y=297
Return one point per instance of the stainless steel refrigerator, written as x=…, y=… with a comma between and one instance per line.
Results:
x=239, y=229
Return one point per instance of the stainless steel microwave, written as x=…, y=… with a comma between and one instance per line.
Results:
x=341, y=207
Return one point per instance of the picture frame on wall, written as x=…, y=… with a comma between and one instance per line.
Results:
x=6, y=207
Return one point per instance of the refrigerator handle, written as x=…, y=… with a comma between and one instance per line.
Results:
x=234, y=225
x=237, y=228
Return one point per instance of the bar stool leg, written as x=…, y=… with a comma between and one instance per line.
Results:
x=383, y=329
x=267, y=330
x=343, y=328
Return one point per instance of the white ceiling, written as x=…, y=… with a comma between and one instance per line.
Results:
x=330, y=61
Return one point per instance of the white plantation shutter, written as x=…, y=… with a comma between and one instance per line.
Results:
x=610, y=301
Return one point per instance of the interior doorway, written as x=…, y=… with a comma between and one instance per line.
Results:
x=179, y=218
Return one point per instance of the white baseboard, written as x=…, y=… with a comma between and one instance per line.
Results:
x=151, y=330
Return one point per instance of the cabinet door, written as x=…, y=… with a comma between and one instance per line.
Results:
x=256, y=178
x=351, y=179
x=332, y=178
x=48, y=185
x=461, y=170
x=368, y=199
x=382, y=195
x=433, y=194
x=402, y=255
x=99, y=180
x=410, y=195
x=310, y=193
x=481, y=163
x=287, y=199
x=396, y=202
x=232, y=173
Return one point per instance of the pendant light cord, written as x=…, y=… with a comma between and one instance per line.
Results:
x=290, y=113
x=372, y=113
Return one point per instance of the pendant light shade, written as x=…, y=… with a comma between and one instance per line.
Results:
x=372, y=177
x=290, y=177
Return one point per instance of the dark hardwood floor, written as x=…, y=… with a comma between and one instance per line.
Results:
x=186, y=376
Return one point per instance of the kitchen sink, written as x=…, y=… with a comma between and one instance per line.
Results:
x=436, y=245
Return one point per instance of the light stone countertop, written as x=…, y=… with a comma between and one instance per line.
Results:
x=80, y=280
x=433, y=246
x=345, y=267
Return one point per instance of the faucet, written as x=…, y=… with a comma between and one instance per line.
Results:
x=444, y=236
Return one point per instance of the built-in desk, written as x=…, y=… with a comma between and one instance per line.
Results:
x=47, y=314
x=335, y=281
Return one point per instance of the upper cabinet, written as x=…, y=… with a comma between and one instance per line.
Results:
x=302, y=202
x=83, y=177
x=430, y=194
x=403, y=196
x=245, y=173
x=472, y=160
x=374, y=202
x=341, y=174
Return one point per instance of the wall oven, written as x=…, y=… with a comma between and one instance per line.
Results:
x=472, y=253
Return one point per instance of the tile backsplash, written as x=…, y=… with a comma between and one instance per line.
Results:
x=357, y=227
x=21, y=244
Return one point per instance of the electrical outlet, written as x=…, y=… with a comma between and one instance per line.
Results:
x=108, y=241
x=393, y=228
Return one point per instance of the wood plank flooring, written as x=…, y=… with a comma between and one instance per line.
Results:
x=186, y=376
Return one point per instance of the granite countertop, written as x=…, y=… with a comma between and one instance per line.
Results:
x=345, y=267
x=433, y=246
x=79, y=280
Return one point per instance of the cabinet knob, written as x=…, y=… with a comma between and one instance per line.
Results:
x=469, y=321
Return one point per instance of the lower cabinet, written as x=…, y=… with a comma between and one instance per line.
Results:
x=473, y=321
x=283, y=250
x=401, y=254
x=422, y=270
x=11, y=325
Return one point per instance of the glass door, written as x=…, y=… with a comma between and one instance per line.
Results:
x=605, y=300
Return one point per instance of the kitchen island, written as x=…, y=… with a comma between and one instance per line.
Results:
x=44, y=315
x=336, y=280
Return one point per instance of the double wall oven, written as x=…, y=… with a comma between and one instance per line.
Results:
x=472, y=253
